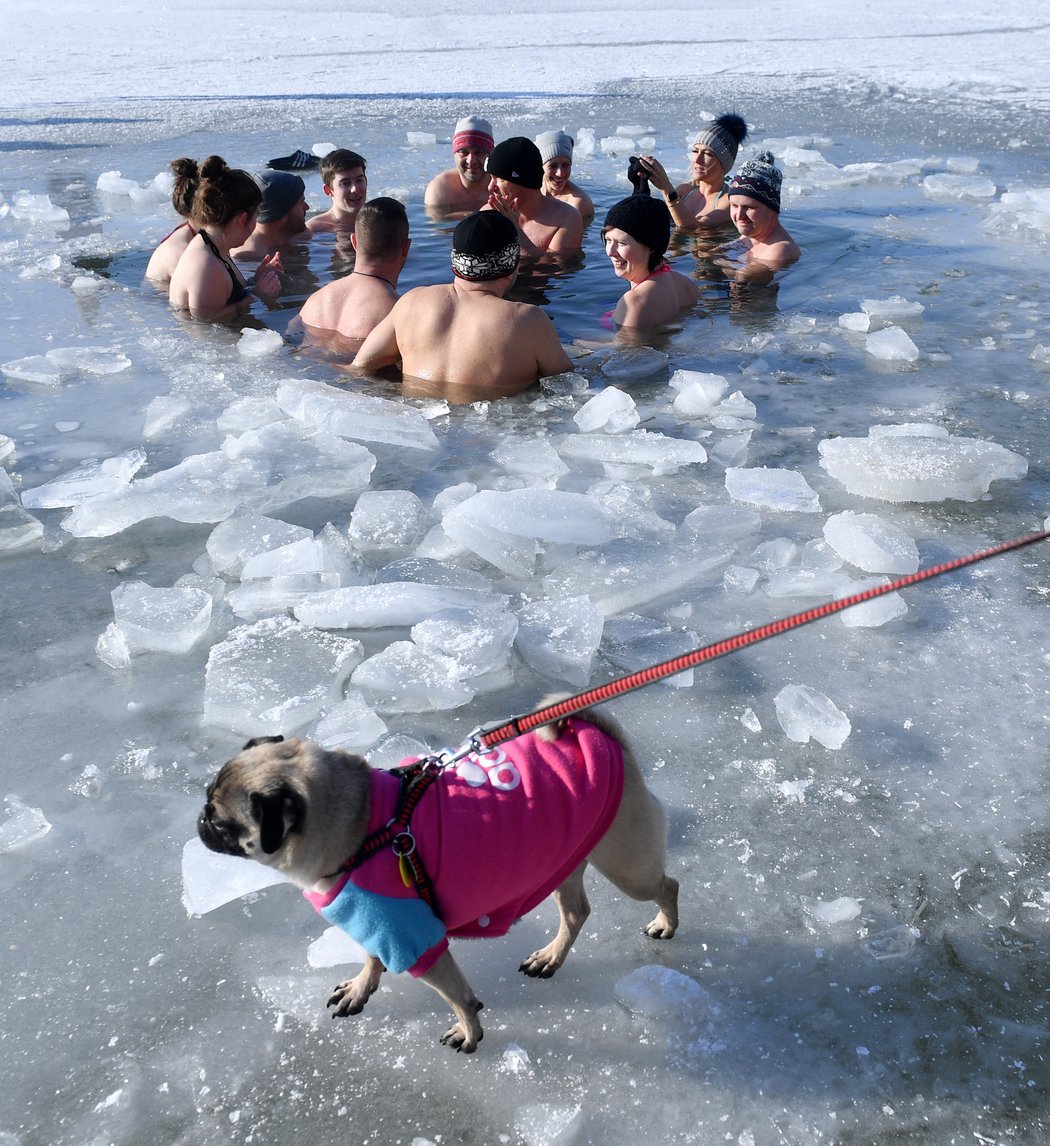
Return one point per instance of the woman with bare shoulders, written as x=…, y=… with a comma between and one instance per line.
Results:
x=636, y=233
x=702, y=201
x=164, y=259
x=206, y=281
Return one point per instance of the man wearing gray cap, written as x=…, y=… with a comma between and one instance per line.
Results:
x=281, y=218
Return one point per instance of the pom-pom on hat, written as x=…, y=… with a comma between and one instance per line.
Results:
x=723, y=135
x=485, y=246
x=281, y=190
x=518, y=161
x=554, y=144
x=759, y=179
x=643, y=218
x=474, y=132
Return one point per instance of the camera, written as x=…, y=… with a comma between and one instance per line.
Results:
x=638, y=176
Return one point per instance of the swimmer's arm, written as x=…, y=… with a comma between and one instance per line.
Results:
x=569, y=237
x=379, y=349
x=206, y=298
x=550, y=354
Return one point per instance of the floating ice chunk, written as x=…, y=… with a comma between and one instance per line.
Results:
x=86, y=481
x=259, y=343
x=505, y=528
x=786, y=491
x=584, y=147
x=663, y=993
x=405, y=678
x=804, y=714
x=722, y=524
x=243, y=535
x=329, y=552
x=113, y=183
x=559, y=637
x=870, y=543
x=856, y=321
x=426, y=571
x=162, y=413
x=210, y=879
x=963, y=164
x=263, y=469
x=351, y=726
x=420, y=138
x=733, y=410
x=959, y=186
x=249, y=413
x=534, y=459
x=891, y=345
x=628, y=574
x=478, y=640
x=776, y=553
x=799, y=582
x=7, y=446
x=617, y=144
x=633, y=642
x=541, y=1124
x=611, y=410
x=398, y=603
x=894, y=943
x=829, y=911
x=322, y=149
x=334, y=949
x=18, y=529
x=21, y=826
x=272, y=596
x=36, y=368
x=698, y=393
x=158, y=619
x=394, y=750
x=628, y=503
x=361, y=417
x=86, y=285
x=896, y=308
x=111, y=648
x=98, y=360
x=516, y=1059
x=918, y=465
x=387, y=523
x=38, y=209
x=634, y=363
x=750, y=721
x=633, y=454
x=818, y=555
x=1040, y=353
x=275, y=676
x=740, y=578
x=871, y=614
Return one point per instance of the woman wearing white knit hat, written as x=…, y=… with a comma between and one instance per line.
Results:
x=556, y=152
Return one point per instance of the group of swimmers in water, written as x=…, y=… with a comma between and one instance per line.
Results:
x=515, y=200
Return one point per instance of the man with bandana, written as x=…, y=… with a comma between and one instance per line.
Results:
x=463, y=339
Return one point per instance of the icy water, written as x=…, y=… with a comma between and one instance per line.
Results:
x=863, y=954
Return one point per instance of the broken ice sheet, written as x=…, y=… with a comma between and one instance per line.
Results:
x=164, y=620
x=634, y=454
x=805, y=714
x=21, y=825
x=918, y=463
x=871, y=543
x=771, y=488
x=829, y=911
x=350, y=414
x=633, y=642
x=210, y=879
x=405, y=678
x=87, y=480
x=611, y=410
x=558, y=637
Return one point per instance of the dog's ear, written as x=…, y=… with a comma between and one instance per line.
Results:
x=256, y=741
x=277, y=813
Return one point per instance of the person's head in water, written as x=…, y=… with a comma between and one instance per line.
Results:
x=472, y=142
x=187, y=178
x=556, y=154
x=516, y=161
x=485, y=247
x=382, y=229
x=643, y=220
x=222, y=193
x=283, y=200
x=715, y=148
x=759, y=179
x=345, y=179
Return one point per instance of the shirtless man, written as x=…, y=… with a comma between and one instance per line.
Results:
x=515, y=191
x=352, y=306
x=754, y=206
x=466, y=334
x=464, y=187
x=346, y=184
x=282, y=216
x=556, y=152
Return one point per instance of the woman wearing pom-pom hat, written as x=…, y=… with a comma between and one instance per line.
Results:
x=702, y=200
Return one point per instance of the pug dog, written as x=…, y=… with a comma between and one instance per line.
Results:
x=492, y=835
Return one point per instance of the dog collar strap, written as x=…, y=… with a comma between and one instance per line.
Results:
x=415, y=780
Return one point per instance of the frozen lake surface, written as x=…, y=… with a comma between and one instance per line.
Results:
x=208, y=535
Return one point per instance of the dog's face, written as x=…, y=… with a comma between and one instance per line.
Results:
x=257, y=801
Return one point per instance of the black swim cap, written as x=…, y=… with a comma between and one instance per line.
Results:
x=485, y=246
x=643, y=218
x=518, y=161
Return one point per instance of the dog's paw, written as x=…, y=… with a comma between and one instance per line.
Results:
x=349, y=998
x=660, y=928
x=541, y=964
x=464, y=1036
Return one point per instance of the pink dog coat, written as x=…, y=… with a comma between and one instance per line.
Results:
x=497, y=834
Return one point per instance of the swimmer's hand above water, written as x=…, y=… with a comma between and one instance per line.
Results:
x=267, y=284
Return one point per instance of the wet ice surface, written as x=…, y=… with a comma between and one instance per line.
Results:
x=863, y=949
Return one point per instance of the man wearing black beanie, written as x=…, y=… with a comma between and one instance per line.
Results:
x=544, y=223
x=464, y=340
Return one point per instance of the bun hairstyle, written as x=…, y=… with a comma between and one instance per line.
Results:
x=222, y=192
x=187, y=175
